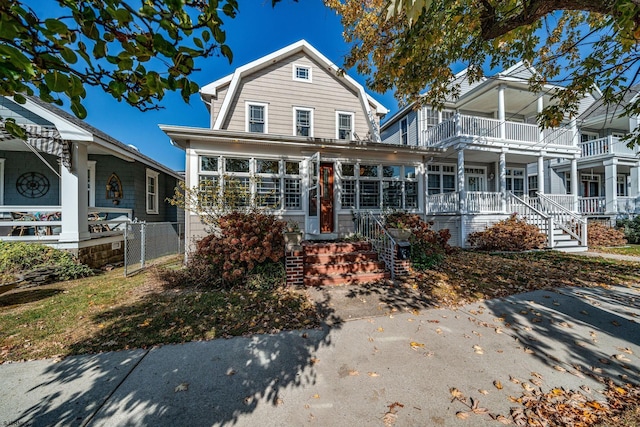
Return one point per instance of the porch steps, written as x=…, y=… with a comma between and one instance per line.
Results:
x=565, y=243
x=331, y=264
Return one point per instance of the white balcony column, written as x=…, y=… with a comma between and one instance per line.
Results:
x=74, y=196
x=502, y=173
x=610, y=187
x=461, y=184
x=539, y=108
x=541, y=173
x=501, y=112
x=439, y=116
x=634, y=191
x=574, y=183
x=573, y=125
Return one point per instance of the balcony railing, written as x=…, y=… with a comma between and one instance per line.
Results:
x=443, y=203
x=605, y=146
x=482, y=127
x=483, y=201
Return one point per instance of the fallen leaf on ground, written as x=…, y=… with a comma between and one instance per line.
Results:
x=497, y=384
x=373, y=374
x=415, y=345
x=181, y=387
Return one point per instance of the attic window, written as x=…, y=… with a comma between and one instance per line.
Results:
x=301, y=73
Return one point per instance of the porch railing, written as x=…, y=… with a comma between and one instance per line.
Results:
x=628, y=204
x=592, y=205
x=570, y=222
x=474, y=126
x=607, y=145
x=443, y=202
x=45, y=222
x=532, y=215
x=483, y=201
x=370, y=227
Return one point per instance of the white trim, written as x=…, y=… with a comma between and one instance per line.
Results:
x=151, y=174
x=247, y=106
x=353, y=123
x=91, y=170
x=295, y=74
x=406, y=130
x=2, y=181
x=295, y=120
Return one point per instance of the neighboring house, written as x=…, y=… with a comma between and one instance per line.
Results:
x=608, y=170
x=74, y=187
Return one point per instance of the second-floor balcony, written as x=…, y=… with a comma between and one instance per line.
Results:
x=492, y=130
x=609, y=145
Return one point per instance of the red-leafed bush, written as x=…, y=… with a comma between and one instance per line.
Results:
x=511, y=234
x=244, y=243
x=599, y=235
x=428, y=246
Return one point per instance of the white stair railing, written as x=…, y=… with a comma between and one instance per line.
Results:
x=532, y=215
x=370, y=227
x=570, y=222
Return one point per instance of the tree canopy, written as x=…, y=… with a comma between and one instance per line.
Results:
x=413, y=46
x=134, y=50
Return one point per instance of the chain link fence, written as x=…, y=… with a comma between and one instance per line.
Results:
x=145, y=241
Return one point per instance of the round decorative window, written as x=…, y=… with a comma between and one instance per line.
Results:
x=32, y=185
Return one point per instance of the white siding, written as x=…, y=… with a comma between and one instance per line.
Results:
x=274, y=85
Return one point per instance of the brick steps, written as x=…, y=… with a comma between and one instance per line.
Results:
x=331, y=264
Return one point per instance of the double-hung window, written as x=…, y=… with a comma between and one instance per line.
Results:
x=208, y=179
x=344, y=125
x=391, y=187
x=303, y=121
x=515, y=181
x=348, y=186
x=257, y=117
x=268, y=183
x=292, y=185
x=404, y=131
x=152, y=191
x=442, y=179
x=237, y=185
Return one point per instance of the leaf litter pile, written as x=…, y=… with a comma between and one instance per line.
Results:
x=466, y=276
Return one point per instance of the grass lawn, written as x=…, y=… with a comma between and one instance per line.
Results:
x=633, y=250
x=108, y=312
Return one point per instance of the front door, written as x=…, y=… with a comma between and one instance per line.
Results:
x=326, y=197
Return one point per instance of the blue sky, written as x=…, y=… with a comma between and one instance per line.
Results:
x=256, y=31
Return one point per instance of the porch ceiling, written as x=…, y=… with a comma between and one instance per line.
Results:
x=518, y=100
x=482, y=156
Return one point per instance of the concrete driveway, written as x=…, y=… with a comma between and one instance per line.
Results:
x=392, y=364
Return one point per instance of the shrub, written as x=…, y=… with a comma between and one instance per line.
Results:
x=244, y=242
x=511, y=234
x=599, y=234
x=16, y=257
x=428, y=247
x=630, y=228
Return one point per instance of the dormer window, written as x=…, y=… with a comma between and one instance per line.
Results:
x=302, y=73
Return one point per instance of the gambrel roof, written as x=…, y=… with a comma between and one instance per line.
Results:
x=232, y=81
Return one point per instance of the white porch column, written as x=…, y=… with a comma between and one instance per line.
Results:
x=634, y=191
x=74, y=196
x=501, y=112
x=574, y=184
x=541, y=173
x=610, y=187
x=461, y=184
x=502, y=172
x=539, y=108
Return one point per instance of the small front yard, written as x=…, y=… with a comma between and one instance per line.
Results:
x=107, y=312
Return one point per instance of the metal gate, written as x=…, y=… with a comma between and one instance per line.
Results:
x=145, y=241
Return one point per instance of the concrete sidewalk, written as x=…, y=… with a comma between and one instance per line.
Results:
x=350, y=373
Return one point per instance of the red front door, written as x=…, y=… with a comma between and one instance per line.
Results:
x=326, y=197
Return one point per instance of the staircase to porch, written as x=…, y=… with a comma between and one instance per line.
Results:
x=566, y=231
x=330, y=264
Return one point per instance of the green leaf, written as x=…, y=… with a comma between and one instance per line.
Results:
x=56, y=26
x=69, y=55
x=78, y=109
x=19, y=98
x=56, y=81
x=226, y=51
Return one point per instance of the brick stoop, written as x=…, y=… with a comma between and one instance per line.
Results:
x=341, y=264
